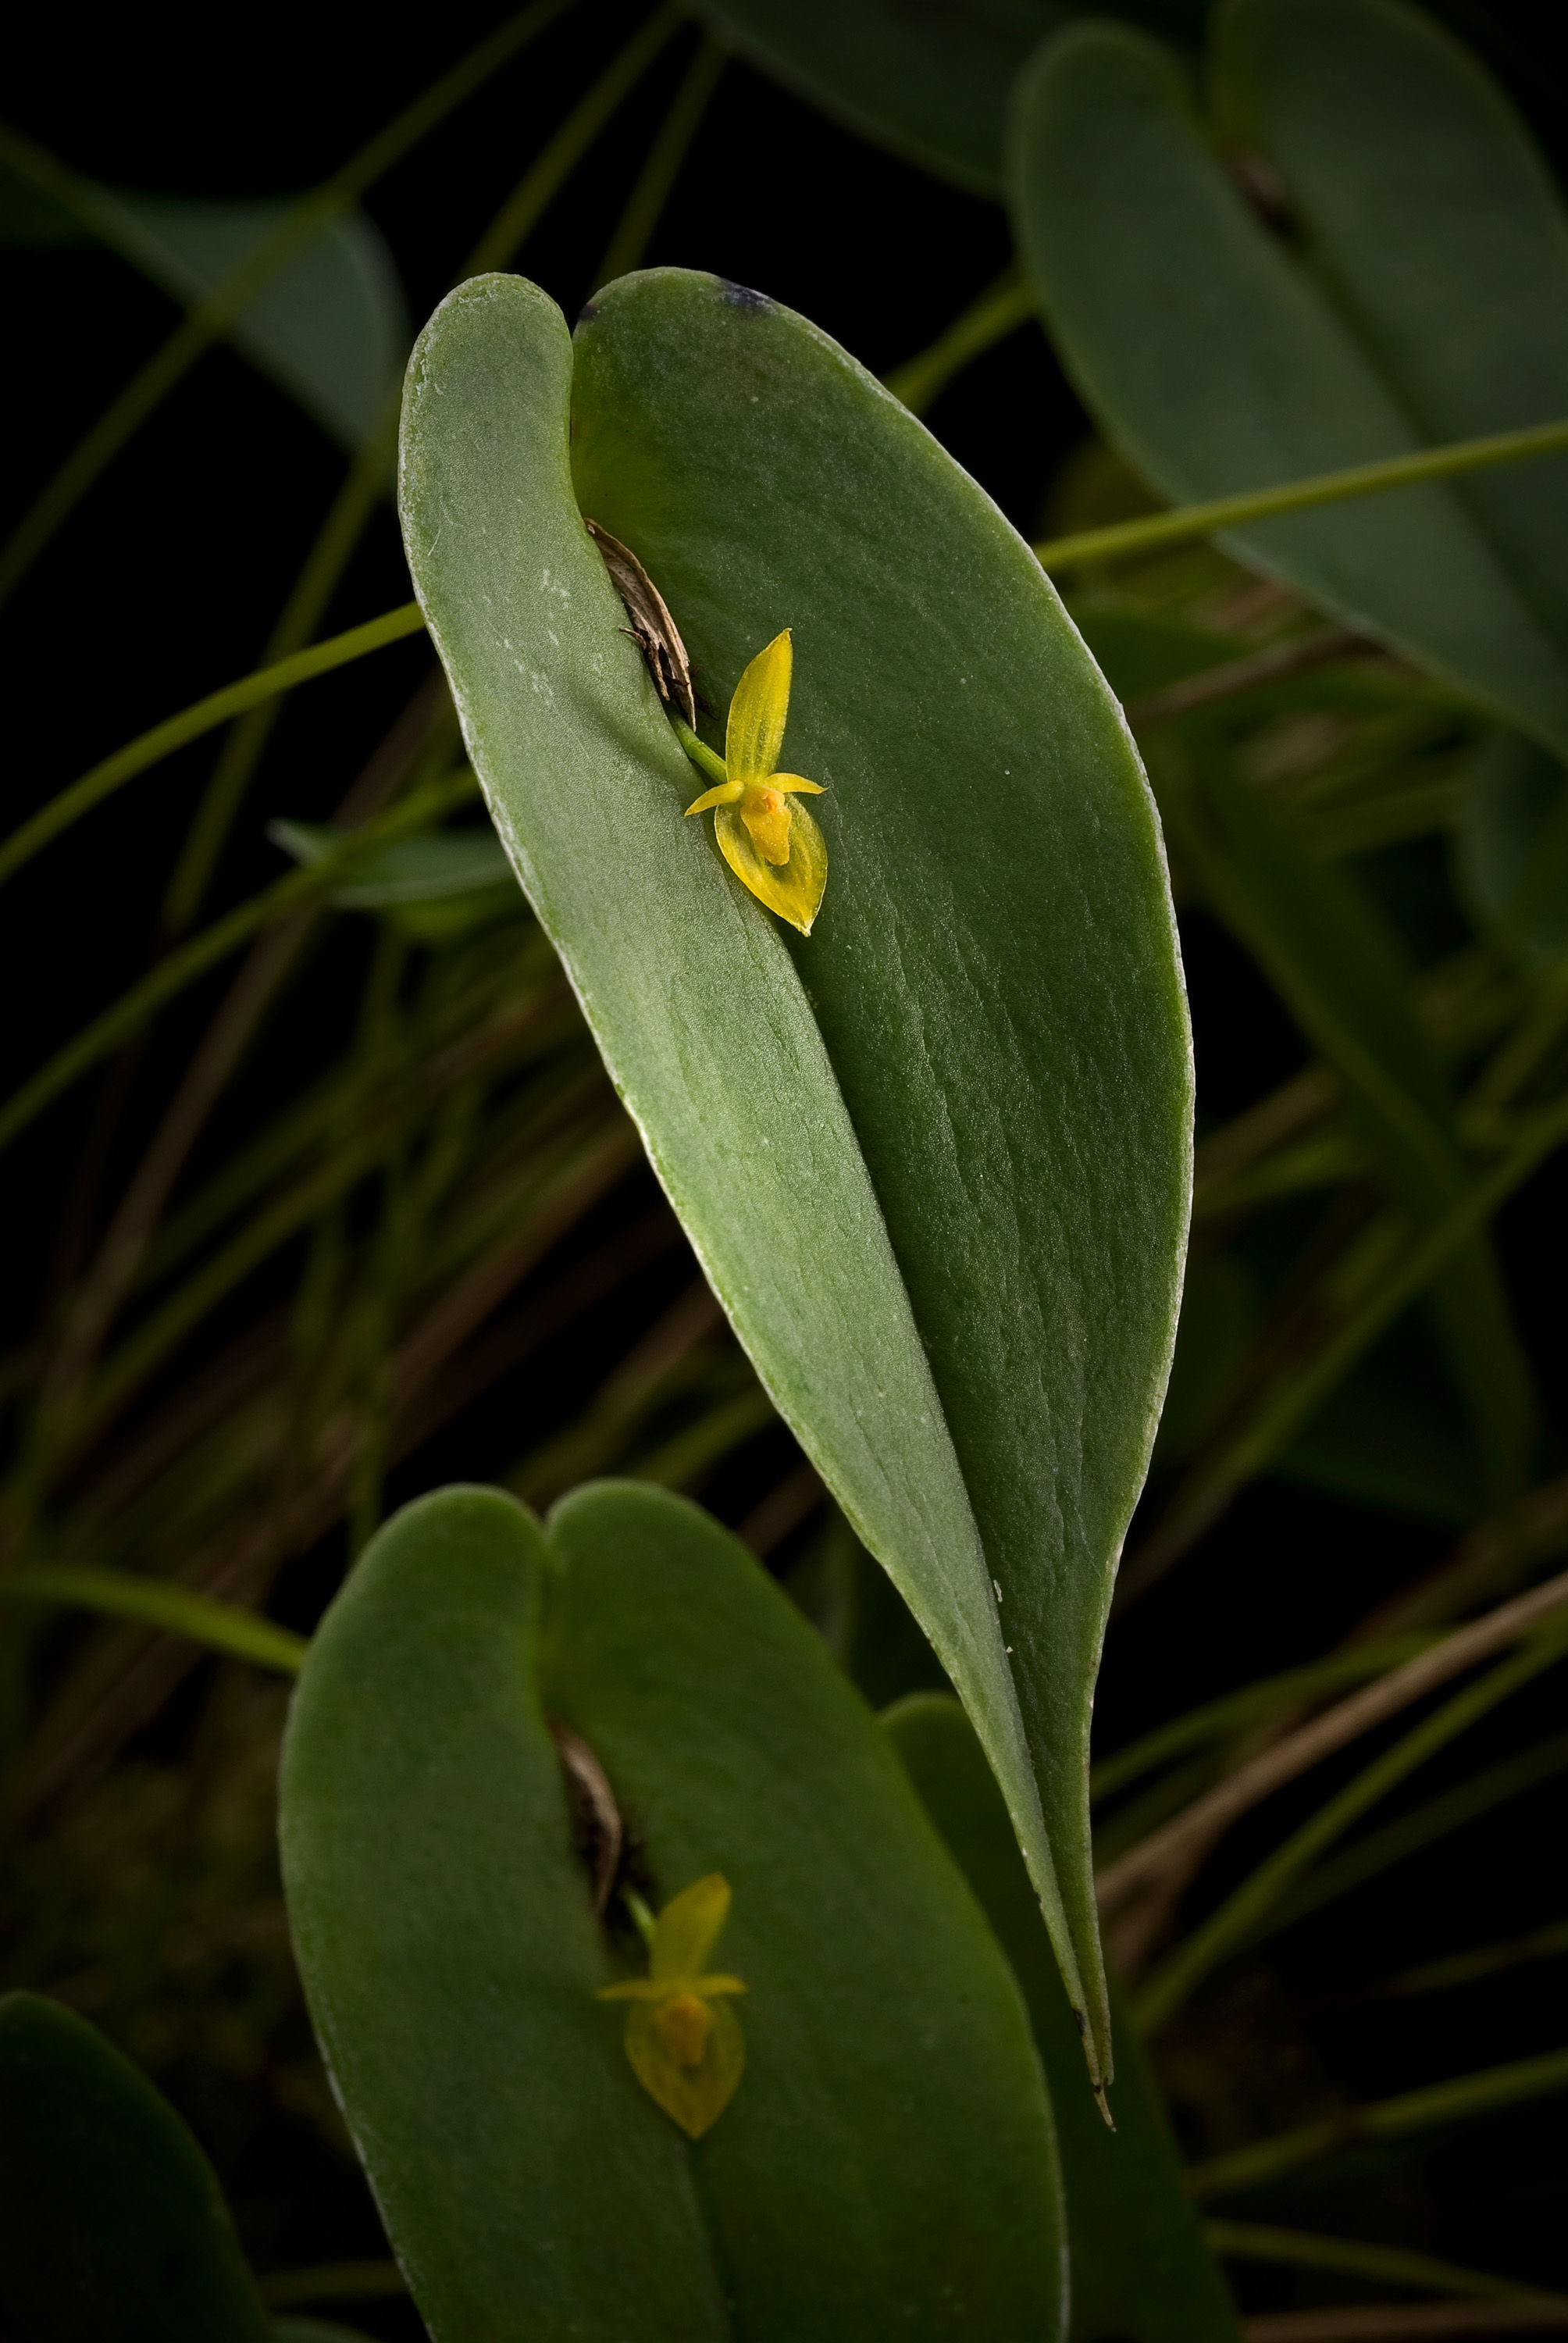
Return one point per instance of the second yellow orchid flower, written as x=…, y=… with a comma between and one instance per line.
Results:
x=682, y=2038
x=775, y=849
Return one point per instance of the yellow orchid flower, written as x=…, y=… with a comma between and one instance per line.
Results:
x=772, y=847
x=683, y=2039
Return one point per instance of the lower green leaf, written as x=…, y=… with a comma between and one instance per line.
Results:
x=887, y=2163
x=1140, y=2267
x=934, y=1158
x=113, y=2228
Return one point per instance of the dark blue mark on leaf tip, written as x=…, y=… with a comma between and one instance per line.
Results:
x=741, y=296
x=588, y=312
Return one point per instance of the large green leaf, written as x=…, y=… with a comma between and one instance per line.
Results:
x=1140, y=2267
x=331, y=328
x=1420, y=294
x=113, y=2228
x=887, y=2166
x=935, y=1160
x=1435, y=223
x=931, y=84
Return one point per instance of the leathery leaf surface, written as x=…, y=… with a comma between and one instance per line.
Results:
x=887, y=2168
x=935, y=1160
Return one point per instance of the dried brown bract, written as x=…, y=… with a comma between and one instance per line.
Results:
x=652, y=629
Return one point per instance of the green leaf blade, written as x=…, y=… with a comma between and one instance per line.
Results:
x=882, y=2030
x=1374, y=113
x=887, y=2163
x=1220, y=364
x=444, y=1931
x=113, y=2228
x=923, y=1155
x=331, y=329
x=930, y=83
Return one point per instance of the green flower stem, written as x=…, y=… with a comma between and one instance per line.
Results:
x=711, y=767
x=1414, y=2111
x=158, y=1603
x=662, y=167
x=204, y=716
x=1000, y=309
x=1218, y=1719
x=211, y=318
x=1386, y=2265
x=182, y=967
x=1189, y=521
x=1238, y=1917
x=647, y=1925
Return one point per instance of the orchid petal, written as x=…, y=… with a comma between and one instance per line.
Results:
x=687, y=1929
x=755, y=734
x=695, y=2097
x=793, y=889
x=722, y=793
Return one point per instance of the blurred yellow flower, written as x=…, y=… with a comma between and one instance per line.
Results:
x=772, y=847
x=683, y=2039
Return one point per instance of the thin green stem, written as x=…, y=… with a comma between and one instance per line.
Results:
x=713, y=768
x=313, y=589
x=693, y=1452
x=1465, y=2096
x=543, y=180
x=1355, y=2258
x=1127, y=538
x=1522, y=1054
x=662, y=167
x=1218, y=1719
x=642, y=1918
x=158, y=1603
x=211, y=318
x=182, y=967
x=1295, y=1400
x=1239, y=1916
x=1000, y=310
x=204, y=716
x=320, y=1115
x=1456, y=1969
